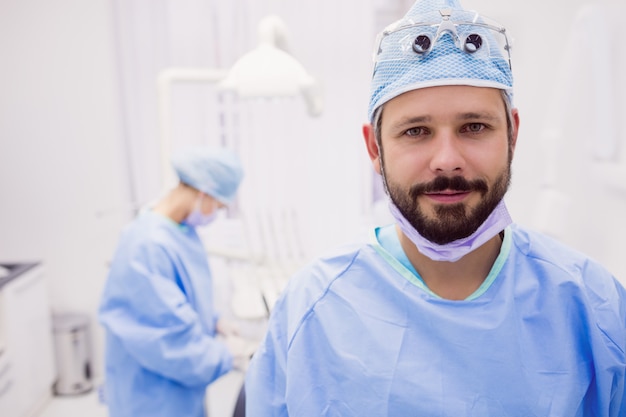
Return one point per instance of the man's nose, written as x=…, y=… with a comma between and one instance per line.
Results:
x=447, y=155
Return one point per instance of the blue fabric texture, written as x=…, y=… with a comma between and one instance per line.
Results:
x=399, y=69
x=352, y=336
x=157, y=310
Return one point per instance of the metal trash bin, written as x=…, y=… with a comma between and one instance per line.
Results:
x=73, y=353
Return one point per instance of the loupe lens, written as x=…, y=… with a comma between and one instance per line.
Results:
x=421, y=44
x=473, y=43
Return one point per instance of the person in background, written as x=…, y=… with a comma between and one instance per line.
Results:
x=452, y=310
x=162, y=344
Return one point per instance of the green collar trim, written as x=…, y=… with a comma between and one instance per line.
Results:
x=414, y=278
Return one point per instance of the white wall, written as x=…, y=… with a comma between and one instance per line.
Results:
x=65, y=183
x=61, y=154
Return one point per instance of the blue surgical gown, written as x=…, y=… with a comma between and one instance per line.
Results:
x=357, y=333
x=157, y=309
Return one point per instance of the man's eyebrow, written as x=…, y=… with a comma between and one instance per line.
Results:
x=475, y=115
x=410, y=121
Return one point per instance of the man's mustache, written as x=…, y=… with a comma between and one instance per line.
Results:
x=443, y=183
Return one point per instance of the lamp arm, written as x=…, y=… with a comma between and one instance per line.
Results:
x=273, y=30
x=313, y=98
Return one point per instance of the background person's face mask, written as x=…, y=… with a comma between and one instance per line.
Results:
x=197, y=217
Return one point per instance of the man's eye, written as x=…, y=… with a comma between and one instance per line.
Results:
x=475, y=127
x=416, y=131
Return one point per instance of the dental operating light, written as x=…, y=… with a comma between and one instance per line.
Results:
x=268, y=71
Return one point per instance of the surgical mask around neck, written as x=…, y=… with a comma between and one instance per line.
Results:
x=497, y=221
x=198, y=218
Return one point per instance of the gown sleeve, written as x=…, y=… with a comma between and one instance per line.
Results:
x=151, y=315
x=620, y=395
x=265, y=383
x=608, y=299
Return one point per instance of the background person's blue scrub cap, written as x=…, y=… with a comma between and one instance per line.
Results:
x=397, y=71
x=214, y=171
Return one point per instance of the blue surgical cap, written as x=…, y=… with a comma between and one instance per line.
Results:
x=214, y=171
x=399, y=69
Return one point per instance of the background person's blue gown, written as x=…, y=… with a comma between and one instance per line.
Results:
x=357, y=334
x=157, y=309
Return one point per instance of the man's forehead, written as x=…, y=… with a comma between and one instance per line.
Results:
x=461, y=102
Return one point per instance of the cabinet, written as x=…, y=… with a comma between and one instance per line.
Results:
x=8, y=403
x=27, y=366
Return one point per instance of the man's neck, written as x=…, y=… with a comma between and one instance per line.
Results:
x=453, y=280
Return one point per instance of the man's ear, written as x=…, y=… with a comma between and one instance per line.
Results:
x=372, y=147
x=515, y=129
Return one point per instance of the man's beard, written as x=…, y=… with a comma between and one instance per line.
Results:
x=452, y=221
